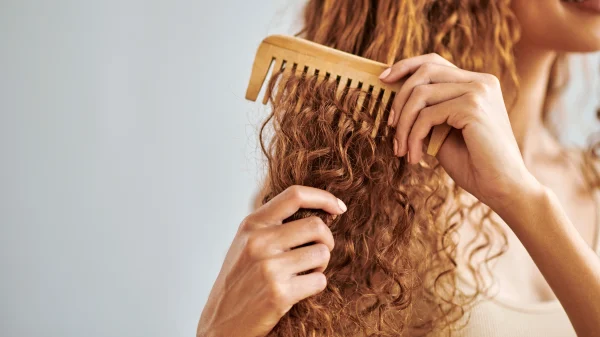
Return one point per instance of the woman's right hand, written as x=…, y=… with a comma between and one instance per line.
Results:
x=259, y=282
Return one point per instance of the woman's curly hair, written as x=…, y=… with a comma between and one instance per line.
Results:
x=393, y=270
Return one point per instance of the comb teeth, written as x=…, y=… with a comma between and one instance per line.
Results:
x=377, y=95
x=342, y=85
x=276, y=69
x=344, y=82
x=287, y=72
x=305, y=57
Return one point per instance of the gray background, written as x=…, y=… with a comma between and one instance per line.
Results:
x=128, y=157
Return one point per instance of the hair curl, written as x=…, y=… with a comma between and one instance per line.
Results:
x=393, y=270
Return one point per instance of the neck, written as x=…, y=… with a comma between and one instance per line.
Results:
x=533, y=67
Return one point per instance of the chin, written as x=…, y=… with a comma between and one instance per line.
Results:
x=560, y=25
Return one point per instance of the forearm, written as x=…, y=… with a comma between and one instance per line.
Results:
x=569, y=265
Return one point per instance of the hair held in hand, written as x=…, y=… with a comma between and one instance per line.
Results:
x=393, y=269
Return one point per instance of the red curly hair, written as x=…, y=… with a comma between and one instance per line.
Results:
x=393, y=270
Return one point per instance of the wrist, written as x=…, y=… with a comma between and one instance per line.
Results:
x=522, y=199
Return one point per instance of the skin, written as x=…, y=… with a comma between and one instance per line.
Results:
x=509, y=163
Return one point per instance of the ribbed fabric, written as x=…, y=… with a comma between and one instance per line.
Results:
x=494, y=317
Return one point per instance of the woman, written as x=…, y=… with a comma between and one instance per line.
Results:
x=464, y=63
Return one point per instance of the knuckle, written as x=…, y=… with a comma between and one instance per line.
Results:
x=277, y=295
x=474, y=102
x=435, y=56
x=425, y=118
x=480, y=87
x=492, y=80
x=426, y=111
x=295, y=192
x=268, y=270
x=254, y=245
x=317, y=252
x=247, y=223
x=427, y=67
x=320, y=281
x=421, y=91
x=473, y=99
x=316, y=224
x=398, y=65
x=322, y=252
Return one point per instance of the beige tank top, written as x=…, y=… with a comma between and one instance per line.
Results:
x=494, y=316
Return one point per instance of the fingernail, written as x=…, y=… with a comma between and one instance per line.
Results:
x=385, y=73
x=391, y=118
x=408, y=156
x=395, y=147
x=342, y=205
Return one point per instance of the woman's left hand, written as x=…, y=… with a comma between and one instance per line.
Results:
x=481, y=155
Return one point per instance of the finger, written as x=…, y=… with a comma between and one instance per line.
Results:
x=292, y=199
x=304, y=259
x=300, y=232
x=455, y=141
x=423, y=96
x=410, y=65
x=426, y=74
x=303, y=286
x=455, y=112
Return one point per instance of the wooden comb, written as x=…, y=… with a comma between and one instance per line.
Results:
x=351, y=70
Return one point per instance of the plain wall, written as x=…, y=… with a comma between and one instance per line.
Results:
x=128, y=158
